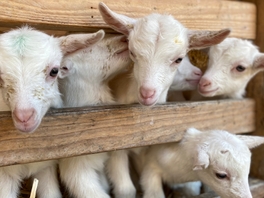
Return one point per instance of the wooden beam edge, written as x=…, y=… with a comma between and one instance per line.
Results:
x=79, y=131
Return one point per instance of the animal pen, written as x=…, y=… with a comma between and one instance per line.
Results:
x=77, y=131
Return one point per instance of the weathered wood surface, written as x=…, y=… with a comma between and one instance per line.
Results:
x=71, y=132
x=83, y=15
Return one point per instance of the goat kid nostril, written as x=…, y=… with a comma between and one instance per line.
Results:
x=147, y=92
x=204, y=83
x=23, y=115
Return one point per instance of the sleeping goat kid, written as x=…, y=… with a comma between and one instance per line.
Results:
x=231, y=65
x=157, y=45
x=29, y=66
x=85, y=82
x=218, y=158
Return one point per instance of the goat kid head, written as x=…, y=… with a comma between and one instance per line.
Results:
x=231, y=65
x=187, y=76
x=157, y=45
x=30, y=64
x=224, y=165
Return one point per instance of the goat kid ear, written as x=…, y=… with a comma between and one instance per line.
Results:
x=204, y=39
x=251, y=141
x=201, y=160
x=74, y=42
x=118, y=22
x=259, y=62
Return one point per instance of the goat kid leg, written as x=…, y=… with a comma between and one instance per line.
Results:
x=48, y=186
x=80, y=176
x=9, y=182
x=119, y=175
x=151, y=183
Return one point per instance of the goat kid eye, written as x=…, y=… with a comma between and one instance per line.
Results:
x=131, y=53
x=178, y=60
x=54, y=72
x=221, y=175
x=240, y=68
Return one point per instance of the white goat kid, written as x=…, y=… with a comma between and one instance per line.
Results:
x=186, y=78
x=218, y=158
x=157, y=44
x=29, y=66
x=231, y=65
x=86, y=75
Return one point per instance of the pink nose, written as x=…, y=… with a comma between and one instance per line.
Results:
x=23, y=115
x=204, y=82
x=146, y=92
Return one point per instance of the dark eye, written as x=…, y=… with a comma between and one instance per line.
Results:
x=240, y=68
x=221, y=175
x=54, y=72
x=178, y=60
x=131, y=53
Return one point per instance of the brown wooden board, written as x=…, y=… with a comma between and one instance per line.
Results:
x=81, y=15
x=71, y=132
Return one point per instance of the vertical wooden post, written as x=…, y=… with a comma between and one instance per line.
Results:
x=256, y=90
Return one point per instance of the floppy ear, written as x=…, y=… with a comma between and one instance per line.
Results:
x=118, y=22
x=258, y=63
x=251, y=141
x=74, y=42
x=201, y=160
x=203, y=39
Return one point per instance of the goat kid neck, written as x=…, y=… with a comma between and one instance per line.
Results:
x=178, y=159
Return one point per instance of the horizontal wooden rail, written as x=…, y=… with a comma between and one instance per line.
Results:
x=78, y=131
x=82, y=15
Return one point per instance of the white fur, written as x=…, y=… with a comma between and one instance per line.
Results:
x=199, y=156
x=186, y=78
x=27, y=58
x=157, y=43
x=221, y=77
x=88, y=72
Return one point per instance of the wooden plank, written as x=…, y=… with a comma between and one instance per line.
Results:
x=71, y=132
x=84, y=16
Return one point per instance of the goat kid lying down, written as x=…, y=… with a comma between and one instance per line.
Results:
x=85, y=76
x=29, y=67
x=217, y=158
x=157, y=44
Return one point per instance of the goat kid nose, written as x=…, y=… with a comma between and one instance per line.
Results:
x=146, y=92
x=204, y=82
x=23, y=115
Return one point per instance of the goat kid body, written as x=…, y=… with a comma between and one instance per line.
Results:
x=88, y=72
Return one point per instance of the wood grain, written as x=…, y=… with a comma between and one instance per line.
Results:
x=71, y=132
x=81, y=15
